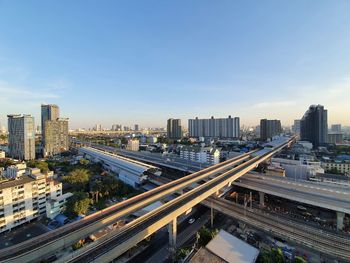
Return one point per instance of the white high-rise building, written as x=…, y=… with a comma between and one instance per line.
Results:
x=214, y=128
x=21, y=137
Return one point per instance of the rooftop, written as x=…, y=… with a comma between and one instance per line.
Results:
x=14, y=182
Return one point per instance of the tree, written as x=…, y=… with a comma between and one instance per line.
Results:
x=265, y=257
x=299, y=260
x=42, y=165
x=78, y=178
x=205, y=235
x=277, y=255
x=83, y=161
x=78, y=204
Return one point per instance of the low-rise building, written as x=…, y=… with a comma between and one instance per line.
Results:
x=133, y=145
x=335, y=137
x=2, y=154
x=339, y=166
x=298, y=169
x=28, y=196
x=208, y=155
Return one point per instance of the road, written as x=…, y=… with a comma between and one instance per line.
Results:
x=158, y=249
x=331, y=197
x=146, y=225
x=70, y=233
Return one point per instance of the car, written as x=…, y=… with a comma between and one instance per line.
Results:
x=191, y=221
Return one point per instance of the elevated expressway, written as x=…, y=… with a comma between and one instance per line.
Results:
x=326, y=242
x=47, y=244
x=335, y=198
x=104, y=250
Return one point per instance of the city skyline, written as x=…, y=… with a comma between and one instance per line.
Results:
x=122, y=63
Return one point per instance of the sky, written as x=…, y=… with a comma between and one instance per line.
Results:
x=127, y=62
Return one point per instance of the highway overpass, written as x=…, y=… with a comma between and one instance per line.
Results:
x=335, y=198
x=317, y=239
x=220, y=175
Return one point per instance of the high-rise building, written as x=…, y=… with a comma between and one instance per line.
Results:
x=313, y=126
x=174, y=129
x=56, y=137
x=136, y=127
x=296, y=127
x=336, y=128
x=214, y=128
x=49, y=112
x=21, y=141
x=54, y=130
x=269, y=129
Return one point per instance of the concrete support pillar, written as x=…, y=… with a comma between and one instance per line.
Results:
x=262, y=199
x=251, y=200
x=172, y=228
x=211, y=215
x=340, y=220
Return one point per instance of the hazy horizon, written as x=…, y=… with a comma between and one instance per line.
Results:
x=143, y=62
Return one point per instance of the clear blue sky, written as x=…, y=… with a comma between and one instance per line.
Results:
x=145, y=61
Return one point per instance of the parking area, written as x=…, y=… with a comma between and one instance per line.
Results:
x=22, y=233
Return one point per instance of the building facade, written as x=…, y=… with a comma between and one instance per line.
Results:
x=336, y=128
x=296, y=127
x=214, y=128
x=54, y=130
x=174, y=129
x=341, y=167
x=133, y=145
x=314, y=126
x=269, y=129
x=21, y=141
x=56, y=137
x=27, y=197
x=208, y=155
x=335, y=137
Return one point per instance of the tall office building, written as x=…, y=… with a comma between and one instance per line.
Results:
x=174, y=129
x=296, y=127
x=136, y=127
x=214, y=128
x=54, y=130
x=313, y=126
x=21, y=141
x=269, y=129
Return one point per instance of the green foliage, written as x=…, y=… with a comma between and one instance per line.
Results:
x=78, y=204
x=334, y=170
x=42, y=165
x=77, y=179
x=6, y=163
x=265, y=257
x=275, y=256
x=83, y=161
x=78, y=244
x=299, y=260
x=182, y=253
x=205, y=235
